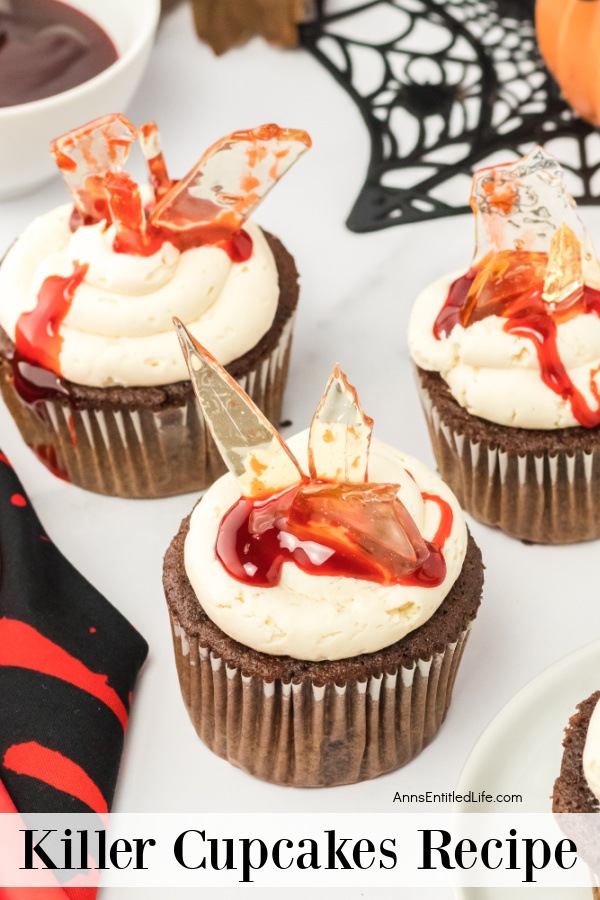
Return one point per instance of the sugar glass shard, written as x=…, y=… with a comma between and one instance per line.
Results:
x=126, y=212
x=87, y=154
x=503, y=281
x=340, y=434
x=251, y=448
x=230, y=180
x=520, y=205
x=365, y=518
x=125, y=202
x=564, y=274
x=151, y=145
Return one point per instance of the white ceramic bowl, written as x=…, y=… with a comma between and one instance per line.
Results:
x=26, y=130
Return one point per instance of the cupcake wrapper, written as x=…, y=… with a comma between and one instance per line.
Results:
x=547, y=499
x=139, y=452
x=595, y=879
x=310, y=735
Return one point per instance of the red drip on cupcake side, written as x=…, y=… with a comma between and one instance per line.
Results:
x=37, y=333
x=36, y=369
x=517, y=296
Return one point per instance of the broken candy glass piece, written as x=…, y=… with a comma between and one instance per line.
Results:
x=340, y=434
x=125, y=202
x=365, y=518
x=230, y=180
x=127, y=215
x=519, y=206
x=530, y=238
x=151, y=145
x=251, y=448
x=503, y=281
x=87, y=154
x=564, y=274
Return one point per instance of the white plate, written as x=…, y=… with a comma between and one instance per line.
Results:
x=521, y=749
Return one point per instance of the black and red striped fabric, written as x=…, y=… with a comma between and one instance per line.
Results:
x=68, y=664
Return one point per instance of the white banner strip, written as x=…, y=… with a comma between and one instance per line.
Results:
x=509, y=850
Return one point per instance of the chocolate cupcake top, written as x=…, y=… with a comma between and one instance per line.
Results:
x=88, y=292
x=517, y=337
x=324, y=548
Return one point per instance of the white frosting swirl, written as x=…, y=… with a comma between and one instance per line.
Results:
x=119, y=328
x=496, y=375
x=316, y=617
x=591, y=753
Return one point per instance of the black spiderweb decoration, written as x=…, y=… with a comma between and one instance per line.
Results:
x=446, y=87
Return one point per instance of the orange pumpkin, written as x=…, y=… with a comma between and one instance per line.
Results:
x=568, y=33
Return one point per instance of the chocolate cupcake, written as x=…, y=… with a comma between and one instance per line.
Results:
x=89, y=365
x=577, y=788
x=508, y=360
x=318, y=620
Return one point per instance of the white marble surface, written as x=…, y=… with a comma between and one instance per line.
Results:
x=540, y=603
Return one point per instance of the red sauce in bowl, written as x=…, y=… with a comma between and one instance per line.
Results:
x=47, y=47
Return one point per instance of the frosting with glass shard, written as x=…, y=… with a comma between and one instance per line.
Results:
x=142, y=254
x=333, y=522
x=534, y=267
x=209, y=205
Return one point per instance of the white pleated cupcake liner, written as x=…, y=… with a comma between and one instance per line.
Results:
x=547, y=498
x=139, y=452
x=308, y=734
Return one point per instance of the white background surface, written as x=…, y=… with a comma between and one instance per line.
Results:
x=540, y=603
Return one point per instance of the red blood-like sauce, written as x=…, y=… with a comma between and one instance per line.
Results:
x=144, y=239
x=36, y=359
x=237, y=245
x=529, y=316
x=37, y=334
x=257, y=558
x=47, y=47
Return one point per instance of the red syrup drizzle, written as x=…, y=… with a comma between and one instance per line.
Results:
x=36, y=358
x=257, y=558
x=236, y=244
x=37, y=334
x=529, y=316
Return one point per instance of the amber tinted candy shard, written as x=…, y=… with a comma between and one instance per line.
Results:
x=87, y=154
x=251, y=448
x=340, y=434
x=503, y=280
x=231, y=179
x=564, y=274
x=366, y=517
